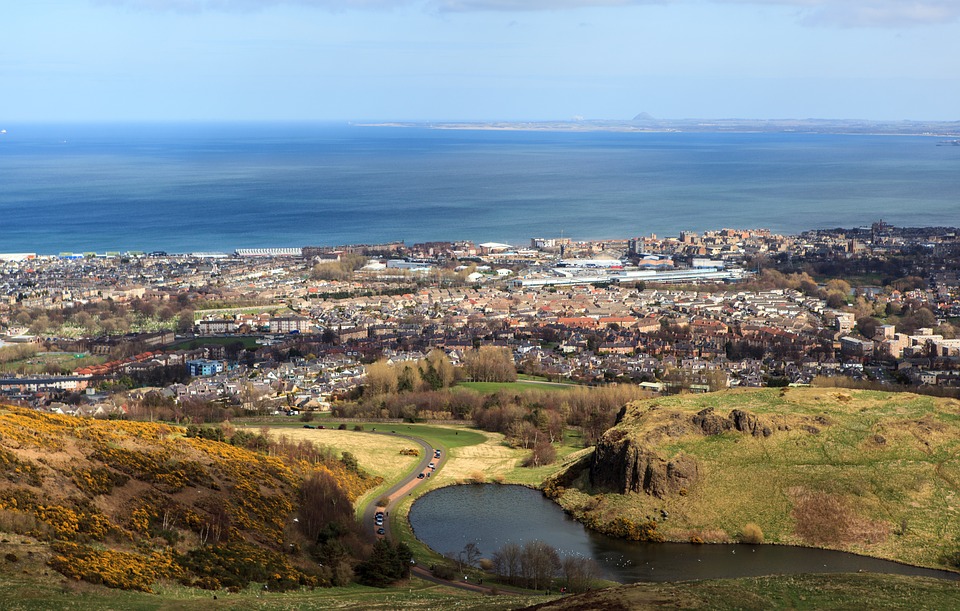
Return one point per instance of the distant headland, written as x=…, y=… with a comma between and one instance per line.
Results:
x=644, y=122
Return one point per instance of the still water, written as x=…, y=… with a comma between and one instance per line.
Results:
x=491, y=515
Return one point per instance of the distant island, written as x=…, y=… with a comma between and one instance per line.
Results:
x=644, y=122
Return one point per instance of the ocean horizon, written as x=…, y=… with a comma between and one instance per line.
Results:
x=218, y=187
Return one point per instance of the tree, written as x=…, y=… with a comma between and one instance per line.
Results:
x=185, y=321
x=490, y=364
x=325, y=510
x=409, y=380
x=469, y=555
x=437, y=371
x=579, y=572
x=868, y=326
x=387, y=564
x=539, y=563
x=506, y=562
x=381, y=378
x=543, y=454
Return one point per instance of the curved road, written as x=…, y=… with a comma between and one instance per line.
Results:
x=402, y=488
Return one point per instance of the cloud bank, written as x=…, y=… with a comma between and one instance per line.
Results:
x=837, y=13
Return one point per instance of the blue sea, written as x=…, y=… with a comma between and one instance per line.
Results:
x=219, y=187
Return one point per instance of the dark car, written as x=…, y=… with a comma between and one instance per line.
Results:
x=436, y=453
x=308, y=426
x=420, y=476
x=380, y=531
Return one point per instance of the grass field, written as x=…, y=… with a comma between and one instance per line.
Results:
x=519, y=386
x=63, y=361
x=376, y=454
x=192, y=344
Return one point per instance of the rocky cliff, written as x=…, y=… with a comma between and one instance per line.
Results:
x=626, y=461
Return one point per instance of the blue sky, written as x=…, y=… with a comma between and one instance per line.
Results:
x=370, y=60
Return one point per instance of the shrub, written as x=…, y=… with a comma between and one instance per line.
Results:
x=951, y=559
x=751, y=534
x=543, y=454
x=306, y=417
x=11, y=557
x=358, y=427
x=444, y=571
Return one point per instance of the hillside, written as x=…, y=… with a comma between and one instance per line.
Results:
x=775, y=592
x=130, y=504
x=868, y=472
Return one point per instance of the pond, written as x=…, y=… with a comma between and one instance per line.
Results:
x=491, y=515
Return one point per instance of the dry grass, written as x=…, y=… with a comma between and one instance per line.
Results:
x=830, y=520
x=490, y=457
x=376, y=454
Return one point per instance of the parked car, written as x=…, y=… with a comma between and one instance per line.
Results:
x=432, y=466
x=436, y=453
x=380, y=531
x=420, y=476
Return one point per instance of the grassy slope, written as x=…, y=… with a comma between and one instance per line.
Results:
x=881, y=461
x=778, y=592
x=21, y=592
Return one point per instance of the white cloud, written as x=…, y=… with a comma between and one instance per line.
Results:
x=869, y=13
x=842, y=13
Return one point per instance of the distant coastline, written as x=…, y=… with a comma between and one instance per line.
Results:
x=940, y=129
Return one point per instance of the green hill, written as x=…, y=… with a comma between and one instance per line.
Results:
x=868, y=472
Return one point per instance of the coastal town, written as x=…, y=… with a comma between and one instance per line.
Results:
x=293, y=329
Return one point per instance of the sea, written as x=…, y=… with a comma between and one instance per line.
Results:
x=193, y=187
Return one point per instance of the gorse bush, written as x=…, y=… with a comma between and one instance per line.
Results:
x=751, y=534
x=162, y=502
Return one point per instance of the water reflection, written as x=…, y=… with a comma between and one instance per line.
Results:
x=491, y=515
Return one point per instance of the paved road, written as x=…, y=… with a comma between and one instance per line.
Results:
x=396, y=492
x=401, y=489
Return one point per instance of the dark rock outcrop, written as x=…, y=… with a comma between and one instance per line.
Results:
x=745, y=422
x=622, y=465
x=711, y=423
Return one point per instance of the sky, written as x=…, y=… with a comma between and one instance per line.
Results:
x=477, y=60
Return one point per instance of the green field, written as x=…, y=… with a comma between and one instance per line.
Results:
x=192, y=344
x=519, y=386
x=45, y=362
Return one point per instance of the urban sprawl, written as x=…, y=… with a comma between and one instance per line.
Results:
x=294, y=329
